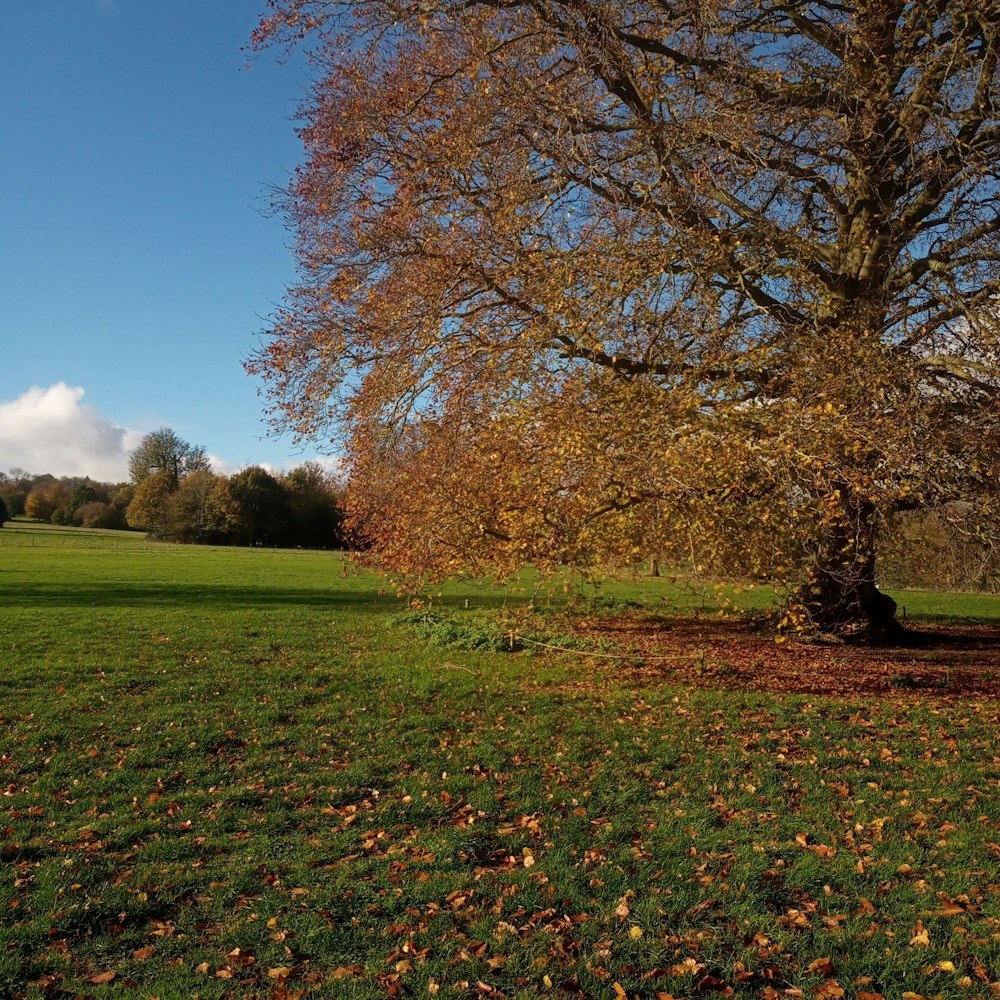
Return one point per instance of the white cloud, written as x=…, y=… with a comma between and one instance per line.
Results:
x=51, y=430
x=220, y=466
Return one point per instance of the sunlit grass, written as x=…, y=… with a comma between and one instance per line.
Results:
x=227, y=772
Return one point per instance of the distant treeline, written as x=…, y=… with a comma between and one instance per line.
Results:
x=69, y=500
x=174, y=496
x=252, y=507
x=944, y=549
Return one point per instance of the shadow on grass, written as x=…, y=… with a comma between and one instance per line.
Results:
x=948, y=633
x=952, y=620
x=206, y=595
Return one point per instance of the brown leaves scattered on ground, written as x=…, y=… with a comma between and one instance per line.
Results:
x=707, y=651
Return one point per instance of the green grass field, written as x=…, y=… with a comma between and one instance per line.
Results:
x=235, y=773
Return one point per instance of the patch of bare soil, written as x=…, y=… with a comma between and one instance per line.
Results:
x=730, y=653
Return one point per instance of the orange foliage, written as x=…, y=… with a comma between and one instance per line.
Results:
x=587, y=282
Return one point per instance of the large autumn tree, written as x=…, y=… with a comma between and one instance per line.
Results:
x=585, y=281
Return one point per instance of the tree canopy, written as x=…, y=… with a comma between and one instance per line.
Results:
x=164, y=451
x=582, y=281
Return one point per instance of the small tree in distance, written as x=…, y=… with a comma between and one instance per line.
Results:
x=149, y=509
x=163, y=451
x=315, y=517
x=193, y=512
x=47, y=500
x=259, y=507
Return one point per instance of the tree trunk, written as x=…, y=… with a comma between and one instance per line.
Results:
x=841, y=595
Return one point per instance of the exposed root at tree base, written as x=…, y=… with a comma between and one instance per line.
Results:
x=733, y=654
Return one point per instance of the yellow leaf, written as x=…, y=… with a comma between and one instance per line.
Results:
x=920, y=939
x=635, y=933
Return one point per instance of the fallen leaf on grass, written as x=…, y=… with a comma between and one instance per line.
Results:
x=920, y=939
x=822, y=850
x=688, y=967
x=829, y=990
x=102, y=977
x=343, y=971
x=944, y=966
x=141, y=954
x=713, y=984
x=821, y=967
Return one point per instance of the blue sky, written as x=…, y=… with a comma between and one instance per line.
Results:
x=136, y=264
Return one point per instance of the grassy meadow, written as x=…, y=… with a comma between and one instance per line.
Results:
x=237, y=773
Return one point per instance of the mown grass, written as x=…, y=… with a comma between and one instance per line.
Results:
x=228, y=773
x=23, y=531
